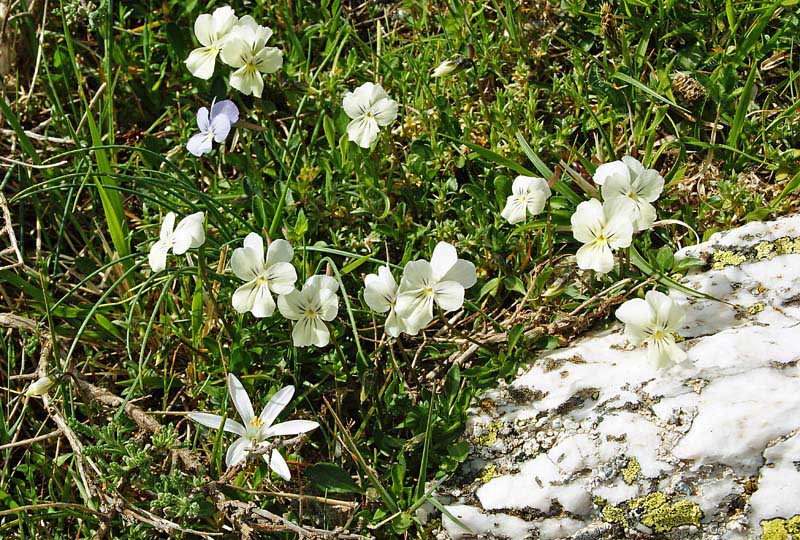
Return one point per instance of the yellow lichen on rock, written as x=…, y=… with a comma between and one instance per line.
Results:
x=489, y=436
x=793, y=526
x=774, y=529
x=614, y=515
x=489, y=473
x=781, y=529
x=631, y=471
x=724, y=258
x=765, y=250
x=661, y=516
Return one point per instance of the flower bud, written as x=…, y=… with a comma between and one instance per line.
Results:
x=40, y=387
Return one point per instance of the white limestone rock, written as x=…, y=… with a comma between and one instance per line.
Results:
x=594, y=442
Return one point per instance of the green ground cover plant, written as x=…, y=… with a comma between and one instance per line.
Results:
x=139, y=327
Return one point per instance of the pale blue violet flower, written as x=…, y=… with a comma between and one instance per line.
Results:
x=214, y=127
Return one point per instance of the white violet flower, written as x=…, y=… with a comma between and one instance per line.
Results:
x=256, y=429
x=380, y=294
x=263, y=274
x=441, y=281
x=188, y=234
x=601, y=232
x=211, y=31
x=39, y=387
x=628, y=187
x=528, y=196
x=653, y=321
x=311, y=307
x=213, y=128
x=370, y=108
x=246, y=49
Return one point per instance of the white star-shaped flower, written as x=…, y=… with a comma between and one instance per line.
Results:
x=256, y=429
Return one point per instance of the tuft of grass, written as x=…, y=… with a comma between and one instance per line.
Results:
x=97, y=108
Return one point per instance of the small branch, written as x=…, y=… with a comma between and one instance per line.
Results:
x=45, y=506
x=134, y=412
x=9, y=320
x=32, y=440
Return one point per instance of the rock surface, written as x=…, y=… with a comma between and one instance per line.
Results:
x=593, y=442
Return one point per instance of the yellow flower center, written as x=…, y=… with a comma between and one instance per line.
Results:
x=310, y=313
x=256, y=422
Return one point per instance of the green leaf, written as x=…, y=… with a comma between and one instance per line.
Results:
x=332, y=478
x=458, y=451
x=647, y=90
x=741, y=109
x=665, y=259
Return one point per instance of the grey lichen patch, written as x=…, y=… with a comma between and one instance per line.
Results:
x=630, y=472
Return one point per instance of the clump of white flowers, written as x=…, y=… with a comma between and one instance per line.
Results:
x=440, y=281
x=188, y=234
x=628, y=187
x=380, y=294
x=256, y=429
x=528, y=197
x=263, y=274
x=310, y=308
x=370, y=108
x=654, y=321
x=239, y=43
